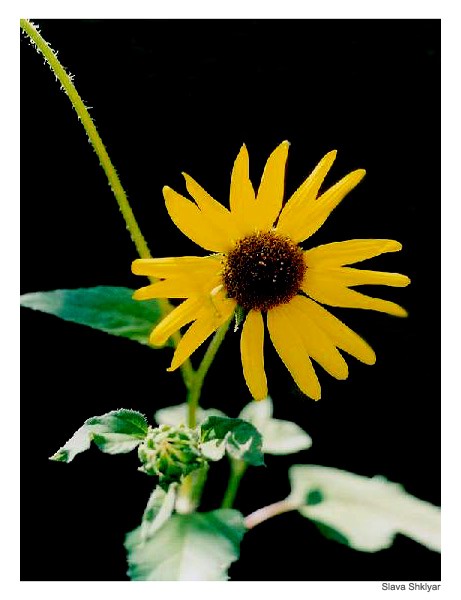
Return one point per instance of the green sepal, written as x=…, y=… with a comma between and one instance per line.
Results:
x=239, y=317
x=116, y=432
x=170, y=453
x=364, y=513
x=239, y=438
x=106, y=308
x=188, y=547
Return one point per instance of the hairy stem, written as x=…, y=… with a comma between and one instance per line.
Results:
x=197, y=382
x=238, y=468
x=94, y=137
x=267, y=512
x=122, y=200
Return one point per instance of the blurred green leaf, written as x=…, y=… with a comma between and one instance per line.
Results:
x=193, y=547
x=366, y=513
x=279, y=437
x=159, y=509
x=284, y=437
x=258, y=412
x=178, y=415
x=109, y=309
x=116, y=432
x=240, y=438
x=213, y=449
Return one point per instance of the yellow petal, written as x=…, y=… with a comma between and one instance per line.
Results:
x=289, y=345
x=338, y=254
x=270, y=193
x=312, y=216
x=349, y=277
x=251, y=349
x=210, y=320
x=317, y=343
x=188, y=284
x=183, y=314
x=162, y=289
x=343, y=337
x=305, y=194
x=176, y=266
x=213, y=210
x=193, y=223
x=242, y=196
x=319, y=286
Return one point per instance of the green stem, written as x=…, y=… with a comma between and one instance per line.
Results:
x=109, y=169
x=189, y=499
x=197, y=381
x=95, y=140
x=267, y=512
x=187, y=371
x=190, y=491
x=238, y=468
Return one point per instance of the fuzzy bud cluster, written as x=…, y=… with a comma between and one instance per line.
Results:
x=170, y=453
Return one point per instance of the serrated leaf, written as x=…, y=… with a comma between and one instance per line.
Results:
x=178, y=415
x=114, y=443
x=192, y=547
x=116, y=432
x=242, y=440
x=108, y=309
x=79, y=442
x=367, y=512
x=279, y=437
x=159, y=509
x=124, y=421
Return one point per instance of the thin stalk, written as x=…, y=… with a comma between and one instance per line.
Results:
x=197, y=382
x=267, y=512
x=238, y=468
x=190, y=491
x=94, y=137
x=122, y=200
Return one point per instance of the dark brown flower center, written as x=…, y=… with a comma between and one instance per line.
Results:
x=263, y=270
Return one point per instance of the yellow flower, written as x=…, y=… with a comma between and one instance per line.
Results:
x=257, y=264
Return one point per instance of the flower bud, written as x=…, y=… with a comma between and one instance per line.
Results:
x=170, y=453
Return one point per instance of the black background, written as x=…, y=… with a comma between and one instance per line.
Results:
x=169, y=96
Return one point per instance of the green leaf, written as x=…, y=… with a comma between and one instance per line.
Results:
x=193, y=547
x=109, y=309
x=178, y=415
x=332, y=534
x=79, y=442
x=279, y=437
x=214, y=449
x=116, y=432
x=158, y=510
x=366, y=513
x=241, y=439
x=284, y=437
